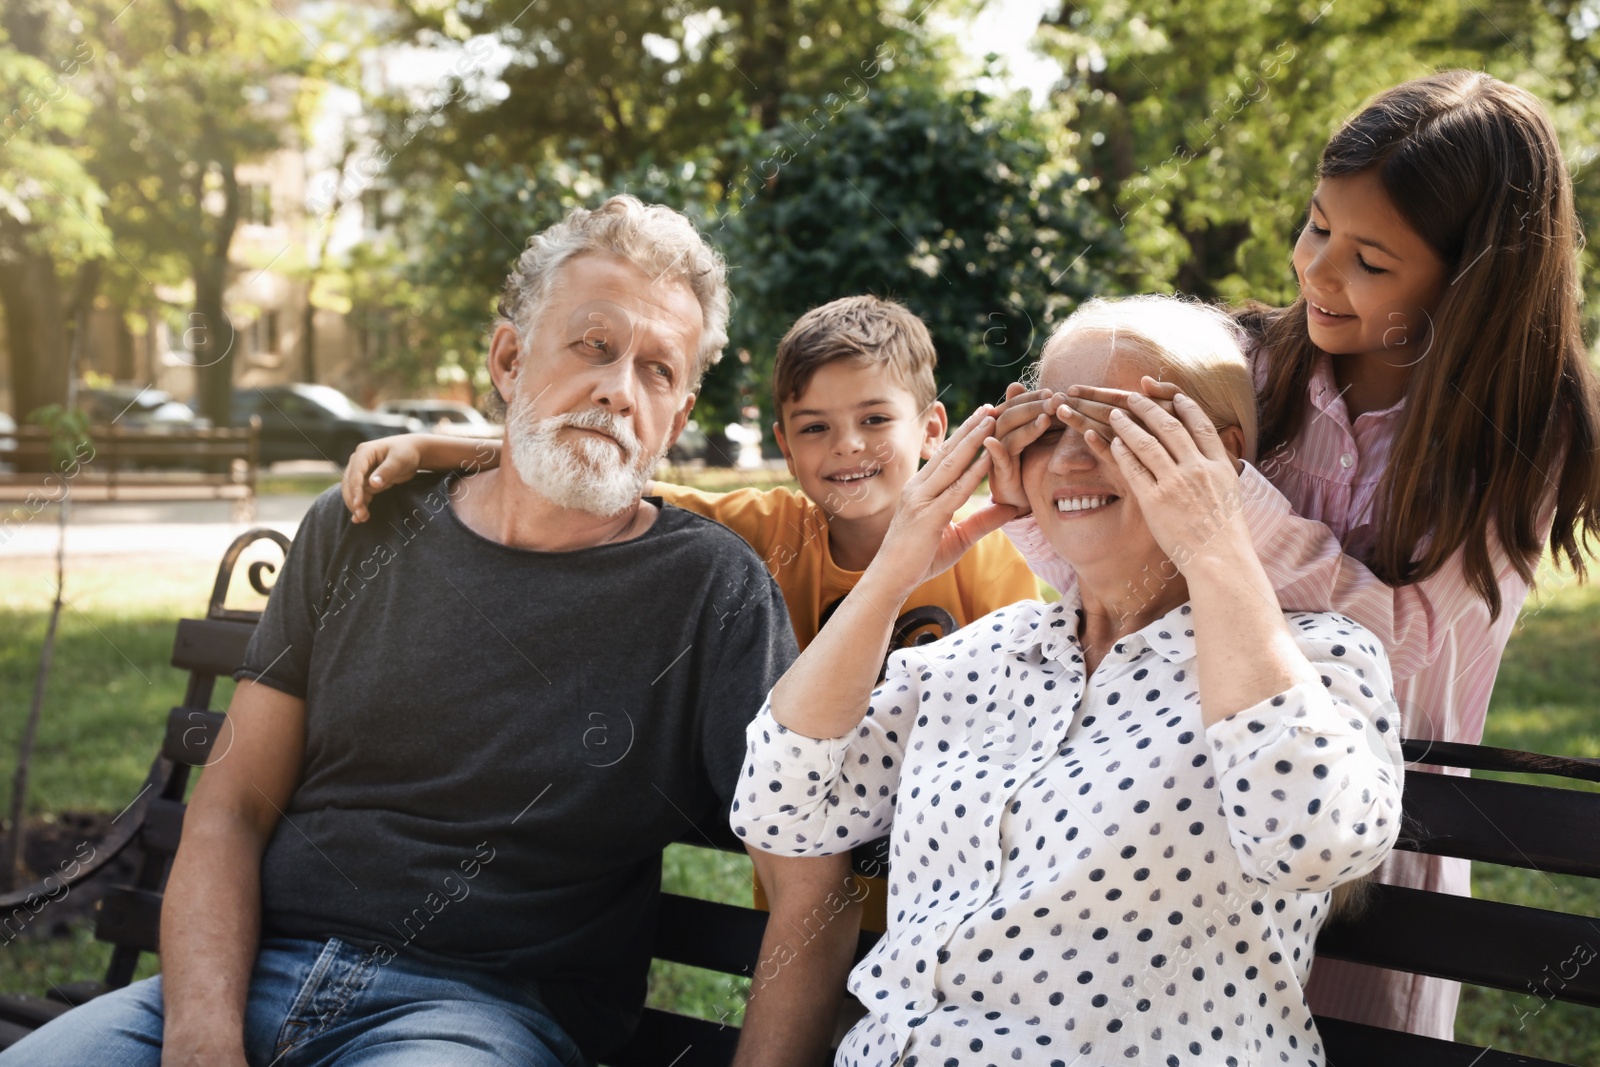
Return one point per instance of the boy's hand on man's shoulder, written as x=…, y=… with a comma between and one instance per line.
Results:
x=375, y=466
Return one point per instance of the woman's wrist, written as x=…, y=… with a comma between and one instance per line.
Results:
x=886, y=585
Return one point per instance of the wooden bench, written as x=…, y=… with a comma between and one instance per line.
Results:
x=1504, y=946
x=130, y=465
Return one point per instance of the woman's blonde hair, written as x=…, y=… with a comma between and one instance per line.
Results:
x=1193, y=345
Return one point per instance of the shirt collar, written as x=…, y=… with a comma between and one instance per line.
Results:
x=1324, y=393
x=1053, y=630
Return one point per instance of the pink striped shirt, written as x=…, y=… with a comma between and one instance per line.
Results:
x=1309, y=524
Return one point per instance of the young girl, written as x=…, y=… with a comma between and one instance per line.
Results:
x=1429, y=402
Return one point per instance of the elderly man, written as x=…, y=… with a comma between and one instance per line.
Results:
x=468, y=725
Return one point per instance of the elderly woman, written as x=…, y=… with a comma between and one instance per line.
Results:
x=1116, y=819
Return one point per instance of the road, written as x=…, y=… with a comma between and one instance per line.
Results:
x=199, y=529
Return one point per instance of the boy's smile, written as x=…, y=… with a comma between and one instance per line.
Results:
x=854, y=438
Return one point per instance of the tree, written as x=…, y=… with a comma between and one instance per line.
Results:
x=50, y=222
x=1199, y=122
x=956, y=205
x=189, y=91
x=627, y=82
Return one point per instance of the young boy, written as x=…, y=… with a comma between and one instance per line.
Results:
x=857, y=411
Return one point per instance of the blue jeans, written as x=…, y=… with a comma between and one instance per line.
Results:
x=316, y=1003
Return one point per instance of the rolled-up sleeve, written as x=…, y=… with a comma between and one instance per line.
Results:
x=804, y=796
x=1310, y=779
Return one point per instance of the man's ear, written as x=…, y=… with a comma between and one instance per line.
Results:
x=505, y=357
x=935, y=426
x=681, y=419
x=783, y=446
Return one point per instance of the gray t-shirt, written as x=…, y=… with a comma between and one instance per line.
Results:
x=499, y=742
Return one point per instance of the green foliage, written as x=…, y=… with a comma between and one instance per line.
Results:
x=625, y=82
x=433, y=298
x=47, y=199
x=199, y=89
x=1200, y=122
x=69, y=434
x=951, y=203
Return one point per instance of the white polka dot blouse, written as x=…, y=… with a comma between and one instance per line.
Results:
x=1081, y=871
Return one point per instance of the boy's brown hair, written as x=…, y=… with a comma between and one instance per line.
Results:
x=863, y=328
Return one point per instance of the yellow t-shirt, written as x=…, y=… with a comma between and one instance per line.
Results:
x=790, y=533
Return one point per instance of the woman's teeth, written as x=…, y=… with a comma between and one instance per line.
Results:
x=1333, y=314
x=1083, y=503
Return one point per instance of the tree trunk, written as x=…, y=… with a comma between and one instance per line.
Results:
x=13, y=869
x=35, y=336
x=308, y=337
x=214, y=336
x=768, y=25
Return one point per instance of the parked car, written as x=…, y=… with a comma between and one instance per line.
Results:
x=133, y=407
x=440, y=414
x=8, y=440
x=301, y=421
x=691, y=445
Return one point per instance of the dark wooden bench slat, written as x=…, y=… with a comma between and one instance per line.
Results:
x=1508, y=760
x=31, y=1012
x=73, y=994
x=131, y=918
x=163, y=826
x=1356, y=1045
x=1474, y=818
x=701, y=933
x=11, y=1033
x=666, y=1038
x=211, y=646
x=1484, y=942
x=191, y=734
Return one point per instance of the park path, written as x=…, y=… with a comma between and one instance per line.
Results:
x=199, y=529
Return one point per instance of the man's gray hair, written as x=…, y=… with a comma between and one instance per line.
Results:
x=658, y=240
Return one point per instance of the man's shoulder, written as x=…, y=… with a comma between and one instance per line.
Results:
x=696, y=534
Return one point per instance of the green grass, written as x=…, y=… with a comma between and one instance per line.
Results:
x=268, y=484
x=111, y=687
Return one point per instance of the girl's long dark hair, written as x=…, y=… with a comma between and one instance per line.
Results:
x=1503, y=410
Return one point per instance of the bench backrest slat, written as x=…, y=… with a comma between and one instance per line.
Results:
x=1556, y=830
x=685, y=922
x=666, y=1039
x=211, y=646
x=130, y=918
x=163, y=826
x=1354, y=1044
x=1484, y=942
x=191, y=734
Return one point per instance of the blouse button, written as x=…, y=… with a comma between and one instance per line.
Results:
x=1347, y=461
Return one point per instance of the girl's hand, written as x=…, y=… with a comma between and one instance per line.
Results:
x=374, y=466
x=1183, y=477
x=1020, y=421
x=923, y=538
x=1089, y=407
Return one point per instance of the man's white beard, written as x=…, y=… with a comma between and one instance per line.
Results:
x=581, y=472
